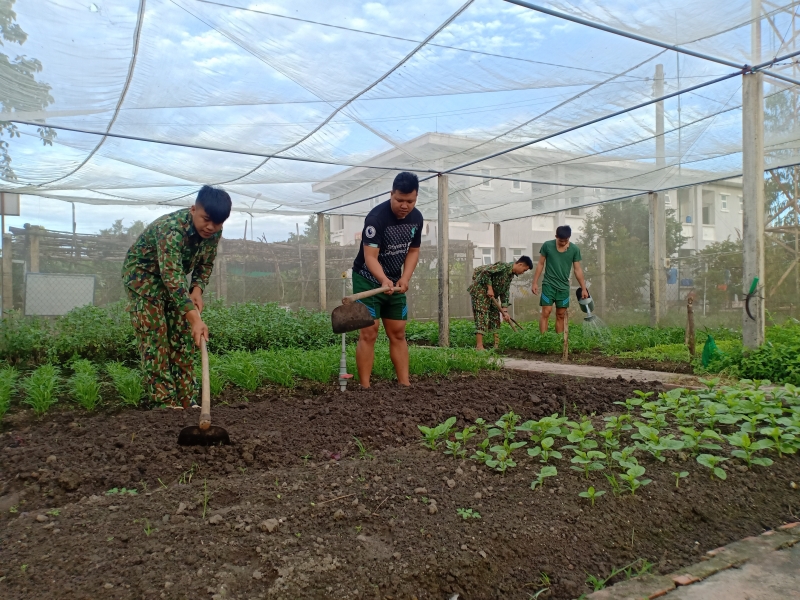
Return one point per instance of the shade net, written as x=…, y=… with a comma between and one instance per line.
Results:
x=298, y=108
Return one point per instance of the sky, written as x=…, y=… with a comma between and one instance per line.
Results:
x=343, y=81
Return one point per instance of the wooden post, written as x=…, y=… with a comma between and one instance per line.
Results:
x=33, y=249
x=690, y=337
x=601, y=259
x=8, y=280
x=565, y=350
x=497, y=245
x=443, y=262
x=323, y=281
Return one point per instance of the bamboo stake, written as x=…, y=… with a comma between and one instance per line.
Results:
x=565, y=352
x=690, y=337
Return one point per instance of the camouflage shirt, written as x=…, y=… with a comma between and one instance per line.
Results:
x=167, y=250
x=498, y=275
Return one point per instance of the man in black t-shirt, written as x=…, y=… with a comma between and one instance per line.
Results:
x=388, y=255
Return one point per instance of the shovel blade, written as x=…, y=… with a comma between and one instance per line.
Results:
x=213, y=436
x=351, y=317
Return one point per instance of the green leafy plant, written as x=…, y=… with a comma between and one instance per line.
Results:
x=432, y=435
x=693, y=440
x=630, y=477
x=363, y=452
x=41, y=389
x=455, y=449
x=466, y=434
x=747, y=448
x=544, y=450
x=122, y=492
x=588, y=461
x=711, y=461
x=84, y=385
x=128, y=383
x=468, y=513
x=548, y=471
x=680, y=475
x=8, y=385
x=502, y=460
x=591, y=494
x=784, y=443
x=505, y=426
x=612, y=481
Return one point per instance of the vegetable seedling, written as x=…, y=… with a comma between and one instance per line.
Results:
x=432, y=435
x=747, y=448
x=468, y=513
x=783, y=442
x=363, y=453
x=548, y=471
x=711, y=461
x=502, y=460
x=630, y=478
x=591, y=494
x=679, y=476
x=612, y=480
x=544, y=451
x=506, y=426
x=588, y=461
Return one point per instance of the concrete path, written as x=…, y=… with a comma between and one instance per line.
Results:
x=771, y=576
x=572, y=370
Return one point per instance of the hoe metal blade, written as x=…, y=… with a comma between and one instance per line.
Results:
x=351, y=317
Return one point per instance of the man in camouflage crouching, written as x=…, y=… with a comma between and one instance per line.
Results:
x=165, y=311
x=488, y=282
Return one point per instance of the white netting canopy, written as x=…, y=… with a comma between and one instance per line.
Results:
x=313, y=106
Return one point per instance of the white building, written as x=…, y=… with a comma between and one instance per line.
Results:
x=709, y=212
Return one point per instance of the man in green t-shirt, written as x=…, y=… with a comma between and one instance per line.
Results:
x=557, y=257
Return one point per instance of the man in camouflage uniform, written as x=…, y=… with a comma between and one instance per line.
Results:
x=493, y=281
x=165, y=312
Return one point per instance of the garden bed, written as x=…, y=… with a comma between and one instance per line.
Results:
x=295, y=461
x=597, y=359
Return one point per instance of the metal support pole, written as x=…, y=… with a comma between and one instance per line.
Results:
x=323, y=282
x=443, y=262
x=657, y=252
x=8, y=281
x=33, y=248
x=753, y=188
x=497, y=245
x=601, y=259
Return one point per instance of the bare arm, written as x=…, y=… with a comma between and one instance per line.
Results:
x=537, y=274
x=371, y=260
x=579, y=276
x=412, y=258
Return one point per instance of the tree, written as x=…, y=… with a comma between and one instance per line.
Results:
x=20, y=90
x=117, y=229
x=310, y=234
x=625, y=227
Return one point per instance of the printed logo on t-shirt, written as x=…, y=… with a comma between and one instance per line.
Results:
x=370, y=231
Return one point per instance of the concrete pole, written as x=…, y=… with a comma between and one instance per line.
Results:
x=323, y=281
x=658, y=225
x=8, y=292
x=753, y=187
x=443, y=263
x=601, y=259
x=497, y=244
x=698, y=217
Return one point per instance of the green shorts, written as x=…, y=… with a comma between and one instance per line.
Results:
x=550, y=296
x=382, y=306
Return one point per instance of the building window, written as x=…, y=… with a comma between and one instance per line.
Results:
x=517, y=253
x=516, y=186
x=537, y=204
x=574, y=202
x=574, y=212
x=667, y=201
x=487, y=255
x=486, y=182
x=741, y=204
x=723, y=202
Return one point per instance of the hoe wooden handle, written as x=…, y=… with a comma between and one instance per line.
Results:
x=367, y=294
x=500, y=308
x=205, y=407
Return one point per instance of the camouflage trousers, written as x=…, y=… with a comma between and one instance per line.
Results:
x=487, y=317
x=167, y=350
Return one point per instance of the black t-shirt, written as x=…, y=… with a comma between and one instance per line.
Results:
x=393, y=237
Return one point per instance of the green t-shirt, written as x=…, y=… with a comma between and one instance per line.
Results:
x=559, y=264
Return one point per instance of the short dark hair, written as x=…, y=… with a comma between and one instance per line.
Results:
x=564, y=232
x=526, y=260
x=216, y=202
x=405, y=183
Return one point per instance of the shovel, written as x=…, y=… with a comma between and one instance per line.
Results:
x=514, y=325
x=353, y=315
x=204, y=434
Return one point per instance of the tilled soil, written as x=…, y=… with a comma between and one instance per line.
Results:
x=293, y=511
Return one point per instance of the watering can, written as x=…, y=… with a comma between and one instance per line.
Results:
x=586, y=305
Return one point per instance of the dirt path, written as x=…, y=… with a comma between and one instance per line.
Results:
x=291, y=511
